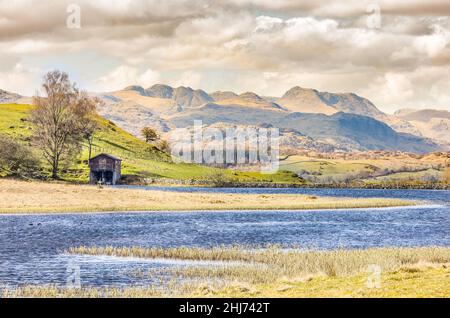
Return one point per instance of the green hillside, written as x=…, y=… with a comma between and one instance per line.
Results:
x=381, y=170
x=140, y=159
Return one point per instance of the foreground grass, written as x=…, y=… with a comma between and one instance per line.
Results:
x=272, y=272
x=408, y=281
x=29, y=197
x=272, y=263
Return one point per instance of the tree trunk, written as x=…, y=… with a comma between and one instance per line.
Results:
x=55, y=170
x=89, y=139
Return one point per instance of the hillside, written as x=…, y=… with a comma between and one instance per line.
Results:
x=248, y=99
x=6, y=96
x=9, y=97
x=303, y=100
x=369, y=168
x=430, y=123
x=140, y=160
x=181, y=97
x=341, y=130
x=422, y=114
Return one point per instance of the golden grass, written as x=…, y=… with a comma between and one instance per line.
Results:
x=57, y=292
x=271, y=272
x=29, y=197
x=235, y=253
x=272, y=263
x=430, y=281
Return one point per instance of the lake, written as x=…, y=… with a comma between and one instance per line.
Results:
x=32, y=246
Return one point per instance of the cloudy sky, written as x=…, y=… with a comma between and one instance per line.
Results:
x=398, y=58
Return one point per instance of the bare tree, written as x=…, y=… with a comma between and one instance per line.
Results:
x=58, y=120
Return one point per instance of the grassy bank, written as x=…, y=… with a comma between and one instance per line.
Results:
x=271, y=272
x=28, y=197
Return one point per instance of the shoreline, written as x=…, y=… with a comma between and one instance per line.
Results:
x=356, y=209
x=251, y=185
x=380, y=186
x=185, y=186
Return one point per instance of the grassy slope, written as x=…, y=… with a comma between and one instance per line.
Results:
x=338, y=168
x=400, y=176
x=326, y=167
x=138, y=157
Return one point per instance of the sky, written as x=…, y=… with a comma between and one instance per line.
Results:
x=395, y=53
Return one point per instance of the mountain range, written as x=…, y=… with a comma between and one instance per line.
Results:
x=8, y=97
x=319, y=121
x=307, y=118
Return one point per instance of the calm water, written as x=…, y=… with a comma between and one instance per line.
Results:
x=31, y=246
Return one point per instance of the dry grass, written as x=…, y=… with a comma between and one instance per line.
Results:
x=29, y=197
x=429, y=282
x=271, y=272
x=57, y=292
x=235, y=253
x=272, y=263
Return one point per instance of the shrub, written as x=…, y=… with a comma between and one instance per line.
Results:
x=216, y=179
x=17, y=160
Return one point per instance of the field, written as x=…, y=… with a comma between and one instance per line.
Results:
x=27, y=197
x=140, y=160
x=272, y=272
x=369, y=168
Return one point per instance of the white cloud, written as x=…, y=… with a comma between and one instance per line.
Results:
x=398, y=86
x=148, y=78
x=433, y=44
x=265, y=23
x=29, y=46
x=190, y=79
x=124, y=76
x=424, y=87
x=267, y=46
x=21, y=80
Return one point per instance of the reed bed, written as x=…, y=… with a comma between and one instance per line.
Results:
x=234, y=253
x=274, y=272
x=273, y=263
